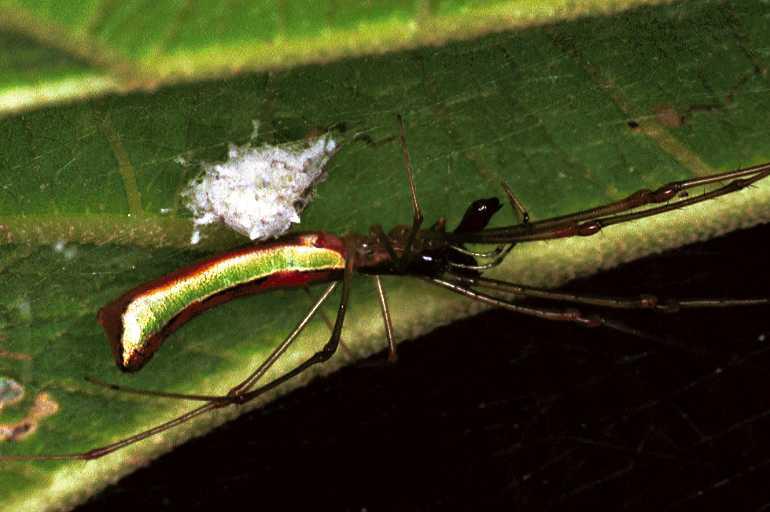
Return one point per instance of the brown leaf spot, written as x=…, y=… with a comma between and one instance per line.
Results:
x=43, y=407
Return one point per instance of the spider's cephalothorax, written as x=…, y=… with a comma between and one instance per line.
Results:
x=430, y=255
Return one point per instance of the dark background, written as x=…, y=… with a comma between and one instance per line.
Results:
x=501, y=410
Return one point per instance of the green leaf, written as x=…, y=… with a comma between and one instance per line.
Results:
x=79, y=50
x=570, y=114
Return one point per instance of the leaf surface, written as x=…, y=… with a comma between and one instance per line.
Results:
x=570, y=114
